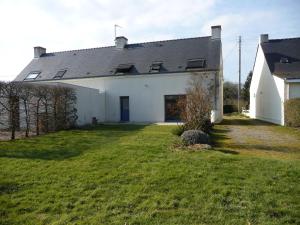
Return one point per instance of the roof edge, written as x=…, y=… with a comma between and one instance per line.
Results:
x=123, y=75
x=113, y=46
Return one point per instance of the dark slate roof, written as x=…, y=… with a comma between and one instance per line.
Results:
x=278, y=50
x=97, y=62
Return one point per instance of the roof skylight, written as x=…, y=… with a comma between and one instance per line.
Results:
x=195, y=63
x=60, y=74
x=32, y=75
x=284, y=60
x=155, y=67
x=123, y=68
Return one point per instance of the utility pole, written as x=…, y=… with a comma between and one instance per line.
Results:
x=239, y=87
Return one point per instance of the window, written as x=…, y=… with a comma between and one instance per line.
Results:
x=32, y=75
x=284, y=60
x=172, y=110
x=60, y=74
x=155, y=67
x=123, y=68
x=195, y=64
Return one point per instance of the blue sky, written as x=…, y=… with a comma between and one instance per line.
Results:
x=75, y=24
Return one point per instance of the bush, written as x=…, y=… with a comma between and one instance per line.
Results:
x=178, y=130
x=207, y=126
x=197, y=106
x=230, y=108
x=292, y=112
x=191, y=137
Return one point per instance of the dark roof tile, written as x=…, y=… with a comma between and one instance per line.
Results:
x=288, y=49
x=103, y=61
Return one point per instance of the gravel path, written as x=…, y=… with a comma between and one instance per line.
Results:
x=244, y=133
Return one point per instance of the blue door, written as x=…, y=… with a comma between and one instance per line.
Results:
x=124, y=103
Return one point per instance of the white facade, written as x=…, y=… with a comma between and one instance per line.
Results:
x=269, y=92
x=146, y=95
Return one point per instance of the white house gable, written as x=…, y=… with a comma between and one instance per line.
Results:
x=275, y=74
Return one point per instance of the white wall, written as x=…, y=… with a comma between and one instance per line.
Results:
x=90, y=103
x=146, y=94
x=294, y=90
x=266, y=93
x=258, y=70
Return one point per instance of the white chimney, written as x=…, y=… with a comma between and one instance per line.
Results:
x=38, y=51
x=121, y=42
x=263, y=38
x=216, y=32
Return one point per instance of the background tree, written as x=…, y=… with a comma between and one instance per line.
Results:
x=230, y=97
x=246, y=90
x=230, y=93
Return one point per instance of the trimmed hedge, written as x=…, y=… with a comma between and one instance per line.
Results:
x=292, y=112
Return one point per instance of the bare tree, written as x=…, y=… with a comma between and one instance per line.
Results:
x=43, y=107
x=9, y=101
x=196, y=107
x=26, y=96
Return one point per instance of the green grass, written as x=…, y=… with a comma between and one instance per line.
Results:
x=129, y=174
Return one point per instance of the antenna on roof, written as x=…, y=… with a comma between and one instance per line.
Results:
x=116, y=26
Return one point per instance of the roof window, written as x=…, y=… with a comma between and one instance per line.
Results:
x=60, y=74
x=155, y=67
x=32, y=75
x=123, y=68
x=284, y=60
x=196, y=63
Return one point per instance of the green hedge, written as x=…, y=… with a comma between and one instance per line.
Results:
x=292, y=112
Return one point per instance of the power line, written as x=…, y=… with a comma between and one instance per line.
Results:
x=229, y=52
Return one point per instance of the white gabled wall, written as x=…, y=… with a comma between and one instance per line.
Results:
x=278, y=103
x=146, y=95
x=258, y=70
x=266, y=92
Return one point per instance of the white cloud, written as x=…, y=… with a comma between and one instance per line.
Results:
x=72, y=24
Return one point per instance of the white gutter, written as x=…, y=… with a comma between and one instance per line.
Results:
x=292, y=80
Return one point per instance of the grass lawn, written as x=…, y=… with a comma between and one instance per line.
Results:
x=129, y=175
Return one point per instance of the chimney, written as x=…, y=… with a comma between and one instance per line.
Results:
x=216, y=32
x=263, y=38
x=121, y=42
x=38, y=51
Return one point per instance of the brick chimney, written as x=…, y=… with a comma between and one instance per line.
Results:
x=121, y=42
x=216, y=32
x=38, y=51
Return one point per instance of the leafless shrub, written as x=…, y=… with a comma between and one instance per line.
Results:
x=197, y=106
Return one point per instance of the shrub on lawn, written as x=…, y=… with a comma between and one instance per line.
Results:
x=191, y=137
x=292, y=112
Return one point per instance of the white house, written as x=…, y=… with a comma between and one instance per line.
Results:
x=276, y=78
x=134, y=82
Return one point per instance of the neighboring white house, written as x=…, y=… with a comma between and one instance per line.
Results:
x=134, y=82
x=276, y=78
